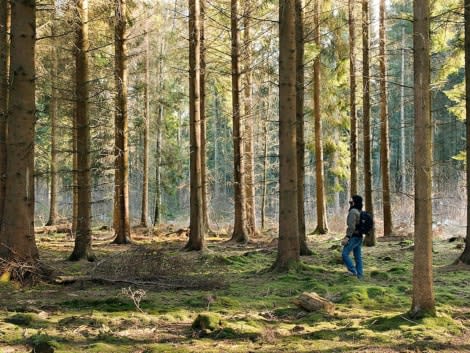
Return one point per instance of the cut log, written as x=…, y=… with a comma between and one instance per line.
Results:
x=313, y=302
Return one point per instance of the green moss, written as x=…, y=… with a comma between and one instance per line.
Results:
x=206, y=321
x=20, y=319
x=109, y=304
x=384, y=276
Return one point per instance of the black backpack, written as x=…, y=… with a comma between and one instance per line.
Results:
x=366, y=223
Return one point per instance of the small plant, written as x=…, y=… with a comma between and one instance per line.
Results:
x=136, y=296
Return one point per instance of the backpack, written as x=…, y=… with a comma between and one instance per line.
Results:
x=366, y=223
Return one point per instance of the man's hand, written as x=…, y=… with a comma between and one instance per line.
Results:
x=344, y=241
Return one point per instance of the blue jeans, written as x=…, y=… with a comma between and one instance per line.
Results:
x=354, y=244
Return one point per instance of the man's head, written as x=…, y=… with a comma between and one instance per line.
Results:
x=356, y=202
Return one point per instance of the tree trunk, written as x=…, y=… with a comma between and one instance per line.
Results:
x=53, y=216
x=265, y=164
x=196, y=239
x=352, y=96
x=158, y=133
x=402, y=118
x=299, y=37
x=4, y=89
x=82, y=247
x=465, y=256
x=17, y=234
x=249, y=123
x=205, y=206
x=384, y=138
x=121, y=153
x=288, y=255
x=240, y=233
x=370, y=237
x=423, y=296
x=145, y=182
x=322, y=226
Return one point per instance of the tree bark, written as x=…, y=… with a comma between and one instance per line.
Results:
x=322, y=226
x=465, y=256
x=240, y=233
x=370, y=237
x=121, y=153
x=423, y=297
x=249, y=122
x=352, y=96
x=53, y=215
x=299, y=105
x=158, y=137
x=83, y=241
x=145, y=179
x=196, y=239
x=205, y=206
x=288, y=255
x=17, y=231
x=384, y=134
x=4, y=90
x=404, y=186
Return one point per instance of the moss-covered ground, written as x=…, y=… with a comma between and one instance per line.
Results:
x=152, y=297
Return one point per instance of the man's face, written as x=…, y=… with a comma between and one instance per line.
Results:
x=351, y=202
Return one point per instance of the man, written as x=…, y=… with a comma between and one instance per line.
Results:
x=353, y=240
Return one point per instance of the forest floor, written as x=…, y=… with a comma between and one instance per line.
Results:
x=145, y=297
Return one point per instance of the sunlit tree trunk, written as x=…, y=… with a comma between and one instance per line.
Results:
x=145, y=175
x=370, y=238
x=299, y=38
x=196, y=239
x=465, y=256
x=322, y=226
x=288, y=255
x=121, y=153
x=82, y=247
x=248, y=121
x=352, y=97
x=384, y=137
x=423, y=296
x=240, y=233
x=17, y=240
x=53, y=215
x=4, y=89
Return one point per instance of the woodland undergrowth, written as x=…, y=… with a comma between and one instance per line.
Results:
x=152, y=297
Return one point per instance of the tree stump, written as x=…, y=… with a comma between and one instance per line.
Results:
x=313, y=302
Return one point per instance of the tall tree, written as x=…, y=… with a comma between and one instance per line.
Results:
x=82, y=248
x=205, y=206
x=465, y=256
x=4, y=89
x=352, y=95
x=322, y=226
x=384, y=139
x=288, y=254
x=299, y=105
x=121, y=131
x=17, y=231
x=249, y=145
x=423, y=297
x=196, y=239
x=145, y=175
x=240, y=233
x=402, y=117
x=370, y=238
x=158, y=138
x=53, y=110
